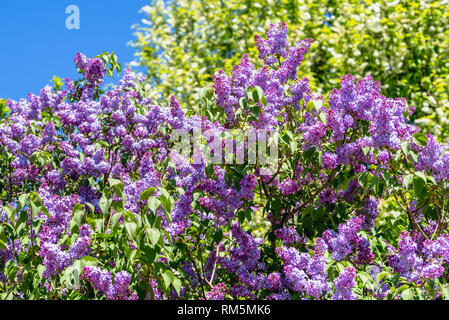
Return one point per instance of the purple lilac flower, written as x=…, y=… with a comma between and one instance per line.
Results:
x=344, y=284
x=288, y=186
x=217, y=292
x=329, y=160
x=370, y=209
x=289, y=235
x=112, y=288
x=303, y=273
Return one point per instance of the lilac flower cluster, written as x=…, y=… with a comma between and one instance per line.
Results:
x=288, y=186
x=224, y=200
x=302, y=273
x=364, y=102
x=55, y=258
x=346, y=242
x=112, y=287
x=344, y=284
x=371, y=211
x=243, y=262
x=66, y=145
x=289, y=235
x=329, y=160
x=230, y=89
x=433, y=157
x=275, y=44
x=418, y=259
x=93, y=69
x=217, y=292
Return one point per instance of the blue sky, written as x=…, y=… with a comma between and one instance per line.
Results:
x=35, y=43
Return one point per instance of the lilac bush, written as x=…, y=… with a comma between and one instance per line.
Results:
x=96, y=203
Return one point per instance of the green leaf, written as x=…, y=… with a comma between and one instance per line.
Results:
x=323, y=117
x=445, y=292
x=154, y=204
x=35, y=209
x=168, y=277
x=166, y=203
x=165, y=199
x=366, y=279
x=419, y=186
x=3, y=244
x=310, y=106
x=256, y=109
x=420, y=139
x=381, y=276
x=421, y=175
x=243, y=102
x=78, y=217
x=317, y=104
x=257, y=93
x=217, y=236
x=149, y=253
x=40, y=270
x=23, y=198
x=367, y=180
x=117, y=185
x=105, y=204
x=407, y=180
x=432, y=180
x=408, y=294
x=395, y=214
x=131, y=228
x=177, y=285
x=375, y=154
x=114, y=219
x=147, y=193
x=153, y=236
x=10, y=212
x=405, y=146
x=129, y=216
x=99, y=225
x=91, y=207
x=414, y=155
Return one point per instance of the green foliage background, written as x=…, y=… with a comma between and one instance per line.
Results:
x=403, y=44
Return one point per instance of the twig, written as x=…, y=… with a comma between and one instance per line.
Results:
x=215, y=265
x=409, y=214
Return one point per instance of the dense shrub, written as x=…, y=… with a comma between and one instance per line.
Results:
x=402, y=44
x=98, y=202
